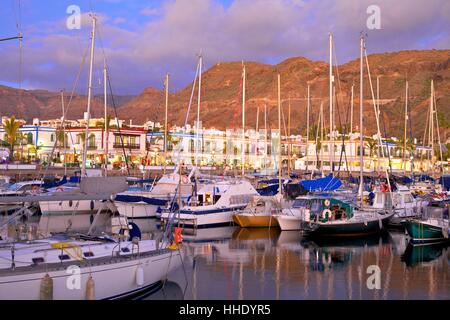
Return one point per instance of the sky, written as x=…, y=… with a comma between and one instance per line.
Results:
x=142, y=40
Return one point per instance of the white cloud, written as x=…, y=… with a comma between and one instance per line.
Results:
x=258, y=30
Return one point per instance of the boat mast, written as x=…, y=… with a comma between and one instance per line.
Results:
x=64, y=131
x=198, y=107
x=331, y=149
x=243, y=118
x=432, y=125
x=361, y=109
x=437, y=128
x=307, y=127
x=257, y=132
x=351, y=111
x=406, y=125
x=280, y=191
x=265, y=137
x=289, y=137
x=105, y=77
x=83, y=167
x=165, y=121
x=322, y=125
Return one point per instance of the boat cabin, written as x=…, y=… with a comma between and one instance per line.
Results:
x=325, y=208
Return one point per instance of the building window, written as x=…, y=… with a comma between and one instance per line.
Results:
x=29, y=138
x=52, y=138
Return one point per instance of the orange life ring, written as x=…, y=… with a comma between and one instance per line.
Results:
x=384, y=187
x=178, y=236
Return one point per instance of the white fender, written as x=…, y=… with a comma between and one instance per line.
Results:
x=140, y=276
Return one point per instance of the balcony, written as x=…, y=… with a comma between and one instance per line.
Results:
x=132, y=146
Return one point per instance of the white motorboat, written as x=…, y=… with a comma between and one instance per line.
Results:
x=214, y=205
x=137, y=204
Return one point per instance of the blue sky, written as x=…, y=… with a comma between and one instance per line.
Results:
x=142, y=40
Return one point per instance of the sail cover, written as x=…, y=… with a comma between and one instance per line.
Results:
x=329, y=183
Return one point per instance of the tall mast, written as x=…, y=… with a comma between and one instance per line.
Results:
x=377, y=116
x=322, y=125
x=105, y=77
x=91, y=63
x=432, y=122
x=198, y=108
x=289, y=137
x=361, y=129
x=64, y=130
x=351, y=110
x=265, y=136
x=257, y=132
x=437, y=129
x=307, y=127
x=406, y=125
x=243, y=118
x=280, y=191
x=165, y=121
x=331, y=148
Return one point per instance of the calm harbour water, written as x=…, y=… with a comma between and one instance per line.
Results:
x=235, y=263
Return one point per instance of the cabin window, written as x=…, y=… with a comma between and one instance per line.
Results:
x=388, y=203
x=216, y=198
x=408, y=198
x=64, y=257
x=38, y=260
x=88, y=254
x=200, y=199
x=52, y=138
x=125, y=250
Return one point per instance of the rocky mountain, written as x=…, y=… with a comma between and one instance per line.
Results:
x=42, y=104
x=221, y=100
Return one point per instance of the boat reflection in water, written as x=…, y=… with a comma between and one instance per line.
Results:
x=423, y=255
x=271, y=264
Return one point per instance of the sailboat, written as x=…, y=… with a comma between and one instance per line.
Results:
x=262, y=210
x=81, y=266
x=329, y=215
x=137, y=204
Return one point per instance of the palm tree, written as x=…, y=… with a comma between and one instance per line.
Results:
x=61, y=138
x=21, y=139
x=11, y=127
x=372, y=145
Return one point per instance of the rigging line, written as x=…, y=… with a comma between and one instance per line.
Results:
x=338, y=78
x=66, y=112
x=108, y=77
x=347, y=113
x=437, y=128
x=343, y=136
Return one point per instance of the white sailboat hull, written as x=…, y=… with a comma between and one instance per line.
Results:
x=289, y=222
x=112, y=280
x=137, y=210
